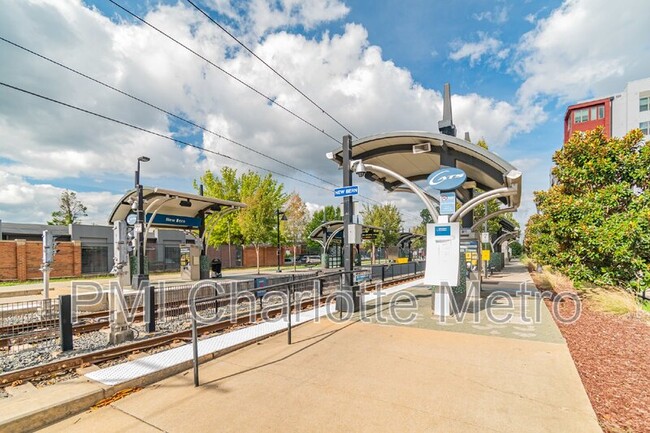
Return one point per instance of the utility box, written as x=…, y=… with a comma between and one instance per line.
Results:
x=354, y=233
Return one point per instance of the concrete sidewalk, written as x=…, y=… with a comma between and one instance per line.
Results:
x=364, y=377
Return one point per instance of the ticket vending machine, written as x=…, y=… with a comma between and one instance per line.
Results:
x=190, y=262
x=443, y=261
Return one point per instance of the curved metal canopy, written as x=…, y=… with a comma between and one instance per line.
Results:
x=333, y=228
x=408, y=237
x=415, y=155
x=168, y=202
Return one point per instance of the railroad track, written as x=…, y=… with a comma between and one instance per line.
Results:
x=73, y=362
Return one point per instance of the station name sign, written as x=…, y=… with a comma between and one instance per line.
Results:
x=346, y=191
x=174, y=220
x=446, y=179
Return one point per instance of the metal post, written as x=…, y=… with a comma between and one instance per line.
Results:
x=485, y=229
x=150, y=307
x=140, y=271
x=65, y=322
x=203, y=273
x=289, y=293
x=195, y=351
x=277, y=213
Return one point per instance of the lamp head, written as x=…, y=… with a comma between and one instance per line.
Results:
x=144, y=159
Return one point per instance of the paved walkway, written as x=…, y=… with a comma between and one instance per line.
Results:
x=365, y=376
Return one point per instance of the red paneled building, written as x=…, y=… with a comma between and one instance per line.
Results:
x=586, y=116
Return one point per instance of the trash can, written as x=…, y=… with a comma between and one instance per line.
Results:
x=215, y=268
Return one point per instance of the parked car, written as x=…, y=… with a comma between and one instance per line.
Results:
x=312, y=260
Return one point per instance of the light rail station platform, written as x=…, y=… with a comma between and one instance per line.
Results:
x=366, y=376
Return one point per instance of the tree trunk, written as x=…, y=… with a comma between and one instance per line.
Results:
x=372, y=260
x=294, y=257
x=257, y=257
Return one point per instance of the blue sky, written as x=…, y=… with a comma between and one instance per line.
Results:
x=513, y=66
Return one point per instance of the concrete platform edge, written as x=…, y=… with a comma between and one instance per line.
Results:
x=16, y=419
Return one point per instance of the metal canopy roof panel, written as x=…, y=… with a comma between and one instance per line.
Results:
x=335, y=227
x=168, y=202
x=394, y=151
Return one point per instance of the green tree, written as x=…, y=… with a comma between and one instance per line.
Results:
x=594, y=223
x=257, y=221
x=71, y=209
x=222, y=229
x=329, y=213
x=388, y=218
x=516, y=248
x=297, y=219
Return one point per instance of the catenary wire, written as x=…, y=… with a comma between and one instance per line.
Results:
x=177, y=117
x=166, y=137
x=148, y=131
x=189, y=122
x=234, y=77
x=270, y=67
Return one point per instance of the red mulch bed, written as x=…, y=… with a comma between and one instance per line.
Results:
x=612, y=355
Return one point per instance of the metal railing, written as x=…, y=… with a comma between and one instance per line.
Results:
x=394, y=270
x=288, y=290
x=28, y=324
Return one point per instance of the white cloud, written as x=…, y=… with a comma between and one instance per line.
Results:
x=347, y=75
x=487, y=46
x=21, y=201
x=584, y=48
x=266, y=16
x=498, y=15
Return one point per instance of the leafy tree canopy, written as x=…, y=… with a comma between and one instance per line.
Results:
x=594, y=223
x=71, y=209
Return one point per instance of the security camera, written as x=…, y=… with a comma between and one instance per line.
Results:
x=361, y=169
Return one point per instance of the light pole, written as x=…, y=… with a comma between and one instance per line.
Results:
x=278, y=212
x=140, y=274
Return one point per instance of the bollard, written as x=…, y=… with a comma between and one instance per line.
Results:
x=195, y=352
x=289, y=292
x=150, y=307
x=65, y=322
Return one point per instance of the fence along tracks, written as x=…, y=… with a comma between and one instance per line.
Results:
x=111, y=353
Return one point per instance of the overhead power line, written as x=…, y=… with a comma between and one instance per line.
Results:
x=148, y=131
x=271, y=68
x=189, y=122
x=368, y=199
x=166, y=137
x=234, y=77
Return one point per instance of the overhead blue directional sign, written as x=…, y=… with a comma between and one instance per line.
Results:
x=346, y=191
x=174, y=220
x=446, y=179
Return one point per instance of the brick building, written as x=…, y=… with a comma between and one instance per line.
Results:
x=617, y=114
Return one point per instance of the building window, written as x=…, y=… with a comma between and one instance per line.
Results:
x=645, y=127
x=601, y=111
x=580, y=116
x=644, y=103
x=592, y=114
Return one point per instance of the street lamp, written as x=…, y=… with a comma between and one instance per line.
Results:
x=278, y=212
x=140, y=271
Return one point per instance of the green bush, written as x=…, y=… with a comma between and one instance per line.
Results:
x=594, y=224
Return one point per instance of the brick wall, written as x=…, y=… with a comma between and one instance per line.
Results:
x=21, y=260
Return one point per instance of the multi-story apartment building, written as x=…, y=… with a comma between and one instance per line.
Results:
x=617, y=114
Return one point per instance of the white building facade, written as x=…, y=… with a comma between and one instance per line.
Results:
x=631, y=108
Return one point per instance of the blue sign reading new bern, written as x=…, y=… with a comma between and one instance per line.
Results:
x=346, y=191
x=446, y=179
x=174, y=220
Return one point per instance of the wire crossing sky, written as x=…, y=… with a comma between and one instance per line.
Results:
x=213, y=75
